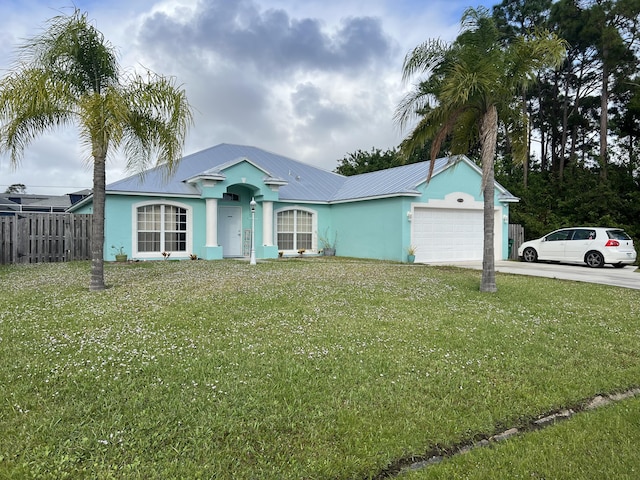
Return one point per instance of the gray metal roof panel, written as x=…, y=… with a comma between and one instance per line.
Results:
x=304, y=182
x=401, y=180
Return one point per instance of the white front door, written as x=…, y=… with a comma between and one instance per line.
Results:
x=230, y=231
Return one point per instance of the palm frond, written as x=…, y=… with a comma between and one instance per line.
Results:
x=31, y=103
x=159, y=117
x=75, y=52
x=424, y=58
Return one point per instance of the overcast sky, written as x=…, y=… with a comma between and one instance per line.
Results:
x=313, y=80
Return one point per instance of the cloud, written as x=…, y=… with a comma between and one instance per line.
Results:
x=267, y=41
x=271, y=79
x=313, y=80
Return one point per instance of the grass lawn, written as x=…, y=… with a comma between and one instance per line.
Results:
x=299, y=368
x=599, y=444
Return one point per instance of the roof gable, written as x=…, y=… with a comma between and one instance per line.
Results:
x=303, y=182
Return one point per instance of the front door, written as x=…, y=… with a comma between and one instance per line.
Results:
x=230, y=231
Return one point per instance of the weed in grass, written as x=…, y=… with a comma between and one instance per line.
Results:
x=303, y=368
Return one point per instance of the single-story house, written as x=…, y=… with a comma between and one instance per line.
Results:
x=204, y=209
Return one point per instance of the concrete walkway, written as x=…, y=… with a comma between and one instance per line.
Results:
x=627, y=277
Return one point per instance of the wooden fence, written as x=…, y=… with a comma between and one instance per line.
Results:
x=516, y=238
x=44, y=237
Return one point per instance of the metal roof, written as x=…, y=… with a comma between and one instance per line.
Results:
x=299, y=181
x=402, y=180
x=304, y=182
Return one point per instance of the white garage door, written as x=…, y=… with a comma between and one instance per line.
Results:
x=443, y=234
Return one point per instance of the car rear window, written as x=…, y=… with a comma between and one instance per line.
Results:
x=618, y=235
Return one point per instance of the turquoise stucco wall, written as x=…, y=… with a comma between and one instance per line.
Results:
x=377, y=228
x=381, y=228
x=244, y=175
x=119, y=229
x=459, y=177
x=371, y=229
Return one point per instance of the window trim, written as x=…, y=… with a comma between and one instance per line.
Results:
x=314, y=228
x=134, y=230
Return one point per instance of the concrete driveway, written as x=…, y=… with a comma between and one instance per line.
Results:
x=626, y=277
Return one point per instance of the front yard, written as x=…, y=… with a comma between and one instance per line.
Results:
x=300, y=368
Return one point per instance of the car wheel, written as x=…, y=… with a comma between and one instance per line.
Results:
x=619, y=265
x=530, y=255
x=594, y=259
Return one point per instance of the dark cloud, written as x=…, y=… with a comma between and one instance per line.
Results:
x=270, y=41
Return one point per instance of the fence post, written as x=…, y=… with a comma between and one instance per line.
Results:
x=67, y=243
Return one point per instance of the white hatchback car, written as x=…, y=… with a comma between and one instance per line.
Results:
x=594, y=246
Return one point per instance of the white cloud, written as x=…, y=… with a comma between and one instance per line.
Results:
x=312, y=80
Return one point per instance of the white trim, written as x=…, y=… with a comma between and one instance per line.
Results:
x=134, y=230
x=452, y=200
x=267, y=223
x=151, y=194
x=314, y=227
x=211, y=222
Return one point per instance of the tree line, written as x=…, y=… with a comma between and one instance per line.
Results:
x=582, y=162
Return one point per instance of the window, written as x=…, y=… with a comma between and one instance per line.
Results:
x=161, y=228
x=295, y=230
x=559, y=236
x=618, y=235
x=583, y=234
x=230, y=197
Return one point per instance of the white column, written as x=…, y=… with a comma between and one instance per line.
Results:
x=212, y=222
x=267, y=223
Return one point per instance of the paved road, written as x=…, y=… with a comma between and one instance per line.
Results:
x=626, y=277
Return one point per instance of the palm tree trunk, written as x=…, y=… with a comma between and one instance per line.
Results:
x=97, y=224
x=488, y=139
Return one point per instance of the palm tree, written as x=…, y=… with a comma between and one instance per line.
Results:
x=474, y=84
x=70, y=75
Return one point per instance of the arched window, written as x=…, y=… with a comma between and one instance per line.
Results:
x=162, y=228
x=295, y=229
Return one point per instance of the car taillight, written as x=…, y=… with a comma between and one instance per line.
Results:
x=612, y=243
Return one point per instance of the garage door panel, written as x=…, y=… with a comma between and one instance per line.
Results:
x=442, y=235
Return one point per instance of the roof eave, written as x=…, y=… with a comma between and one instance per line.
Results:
x=276, y=183
x=508, y=199
x=376, y=197
x=214, y=177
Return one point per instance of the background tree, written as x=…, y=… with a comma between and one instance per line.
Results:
x=517, y=18
x=16, y=188
x=613, y=29
x=69, y=75
x=474, y=84
x=363, y=162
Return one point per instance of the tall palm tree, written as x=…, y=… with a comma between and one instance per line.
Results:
x=70, y=75
x=474, y=84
